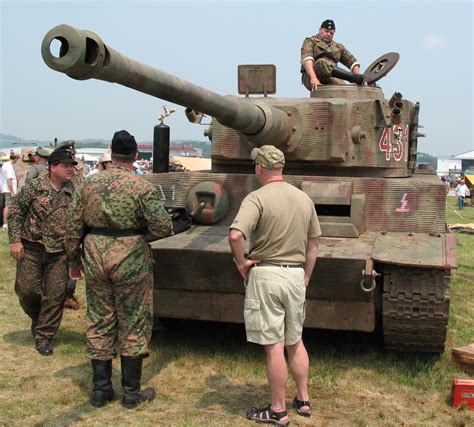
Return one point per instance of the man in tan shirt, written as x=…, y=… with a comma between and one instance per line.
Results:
x=281, y=223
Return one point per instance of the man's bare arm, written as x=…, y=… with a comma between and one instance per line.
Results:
x=10, y=186
x=311, y=256
x=237, y=246
x=309, y=67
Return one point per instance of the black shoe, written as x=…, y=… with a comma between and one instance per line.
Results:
x=44, y=348
x=102, y=391
x=131, y=377
x=33, y=328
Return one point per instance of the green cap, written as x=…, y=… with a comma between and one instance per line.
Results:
x=268, y=156
x=43, y=152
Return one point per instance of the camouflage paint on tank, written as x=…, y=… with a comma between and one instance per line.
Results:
x=351, y=150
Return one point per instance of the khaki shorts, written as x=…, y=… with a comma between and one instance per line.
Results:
x=8, y=199
x=274, y=309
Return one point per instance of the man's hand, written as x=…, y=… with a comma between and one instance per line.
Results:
x=17, y=251
x=75, y=272
x=315, y=83
x=245, y=267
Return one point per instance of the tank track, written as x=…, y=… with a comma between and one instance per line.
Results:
x=415, y=308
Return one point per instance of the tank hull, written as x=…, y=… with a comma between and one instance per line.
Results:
x=366, y=228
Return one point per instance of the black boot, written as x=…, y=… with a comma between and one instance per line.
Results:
x=44, y=347
x=34, y=324
x=131, y=376
x=102, y=391
x=339, y=73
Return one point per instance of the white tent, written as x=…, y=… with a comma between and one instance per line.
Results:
x=86, y=157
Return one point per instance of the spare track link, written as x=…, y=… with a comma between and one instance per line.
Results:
x=415, y=308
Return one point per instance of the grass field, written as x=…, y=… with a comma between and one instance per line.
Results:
x=208, y=375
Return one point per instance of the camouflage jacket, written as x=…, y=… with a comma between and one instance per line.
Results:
x=314, y=47
x=115, y=199
x=39, y=213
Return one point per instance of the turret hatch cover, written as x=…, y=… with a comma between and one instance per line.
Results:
x=380, y=67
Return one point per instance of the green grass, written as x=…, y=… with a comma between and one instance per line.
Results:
x=207, y=375
x=455, y=216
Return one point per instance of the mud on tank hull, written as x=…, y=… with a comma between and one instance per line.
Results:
x=377, y=232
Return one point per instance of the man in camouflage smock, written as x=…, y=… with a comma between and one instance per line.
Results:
x=37, y=220
x=71, y=301
x=320, y=55
x=114, y=215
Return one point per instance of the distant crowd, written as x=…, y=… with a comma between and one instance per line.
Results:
x=140, y=167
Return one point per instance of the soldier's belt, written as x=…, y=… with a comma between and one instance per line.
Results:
x=113, y=232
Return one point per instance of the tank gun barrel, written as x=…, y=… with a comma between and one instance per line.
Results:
x=83, y=55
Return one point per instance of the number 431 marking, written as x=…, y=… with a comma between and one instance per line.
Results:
x=396, y=147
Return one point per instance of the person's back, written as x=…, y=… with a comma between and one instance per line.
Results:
x=113, y=215
x=281, y=223
x=281, y=233
x=114, y=199
x=34, y=171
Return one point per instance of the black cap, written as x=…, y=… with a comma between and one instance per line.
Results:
x=328, y=24
x=61, y=156
x=123, y=143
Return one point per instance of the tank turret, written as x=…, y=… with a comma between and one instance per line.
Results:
x=337, y=130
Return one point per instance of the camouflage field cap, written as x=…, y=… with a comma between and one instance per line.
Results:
x=43, y=152
x=268, y=156
x=328, y=24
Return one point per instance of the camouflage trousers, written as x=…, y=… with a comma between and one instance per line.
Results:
x=323, y=68
x=41, y=280
x=119, y=289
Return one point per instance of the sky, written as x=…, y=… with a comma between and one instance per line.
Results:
x=203, y=42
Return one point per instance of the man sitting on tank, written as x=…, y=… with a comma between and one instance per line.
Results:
x=319, y=57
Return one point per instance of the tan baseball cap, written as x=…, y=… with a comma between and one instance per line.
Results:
x=106, y=157
x=268, y=156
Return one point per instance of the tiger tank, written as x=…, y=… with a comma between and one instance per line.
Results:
x=385, y=255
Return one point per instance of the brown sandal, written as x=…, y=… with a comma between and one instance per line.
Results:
x=298, y=404
x=267, y=415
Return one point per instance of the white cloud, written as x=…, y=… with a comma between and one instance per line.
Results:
x=432, y=41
